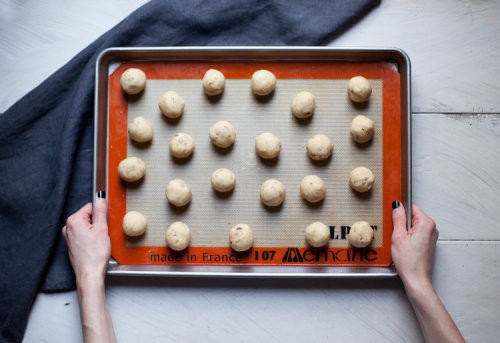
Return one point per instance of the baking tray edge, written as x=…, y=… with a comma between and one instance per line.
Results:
x=115, y=54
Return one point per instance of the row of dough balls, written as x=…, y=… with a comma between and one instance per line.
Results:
x=304, y=103
x=241, y=237
x=272, y=191
x=172, y=106
x=133, y=81
x=222, y=134
x=263, y=82
x=268, y=146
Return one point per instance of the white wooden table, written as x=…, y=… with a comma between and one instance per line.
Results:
x=454, y=47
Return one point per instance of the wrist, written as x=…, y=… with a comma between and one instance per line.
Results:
x=419, y=289
x=91, y=291
x=90, y=281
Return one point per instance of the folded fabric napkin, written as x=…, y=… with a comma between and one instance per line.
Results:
x=46, y=142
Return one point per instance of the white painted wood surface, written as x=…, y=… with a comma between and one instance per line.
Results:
x=456, y=161
x=188, y=310
x=39, y=37
x=454, y=48
x=453, y=45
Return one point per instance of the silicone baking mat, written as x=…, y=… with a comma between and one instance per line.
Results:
x=279, y=233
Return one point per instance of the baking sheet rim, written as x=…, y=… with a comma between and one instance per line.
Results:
x=315, y=53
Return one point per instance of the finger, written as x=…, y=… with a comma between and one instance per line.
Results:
x=64, y=232
x=81, y=216
x=419, y=217
x=84, y=213
x=417, y=213
x=399, y=219
x=101, y=211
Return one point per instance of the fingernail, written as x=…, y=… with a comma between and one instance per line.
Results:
x=102, y=195
x=395, y=204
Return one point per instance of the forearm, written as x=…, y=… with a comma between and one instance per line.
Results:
x=96, y=320
x=434, y=319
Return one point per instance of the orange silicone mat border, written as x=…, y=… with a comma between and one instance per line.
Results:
x=117, y=150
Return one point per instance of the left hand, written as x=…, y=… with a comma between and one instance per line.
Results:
x=88, y=243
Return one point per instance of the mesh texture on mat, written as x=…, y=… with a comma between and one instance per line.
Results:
x=210, y=216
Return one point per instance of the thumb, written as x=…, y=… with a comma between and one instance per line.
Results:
x=398, y=218
x=100, y=210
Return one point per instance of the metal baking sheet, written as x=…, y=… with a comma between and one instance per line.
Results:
x=249, y=163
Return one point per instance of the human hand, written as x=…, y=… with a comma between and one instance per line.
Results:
x=413, y=250
x=88, y=243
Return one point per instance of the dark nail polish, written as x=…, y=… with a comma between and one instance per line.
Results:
x=395, y=204
x=102, y=195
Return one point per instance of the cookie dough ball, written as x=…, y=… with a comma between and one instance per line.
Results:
x=362, y=129
x=140, y=130
x=360, y=234
x=134, y=224
x=222, y=134
x=361, y=179
x=319, y=147
x=178, y=236
x=171, y=104
x=359, y=89
x=312, y=188
x=181, y=145
x=213, y=82
x=272, y=193
x=131, y=169
x=241, y=237
x=267, y=145
x=223, y=180
x=303, y=105
x=178, y=192
x=133, y=81
x=317, y=235
x=263, y=82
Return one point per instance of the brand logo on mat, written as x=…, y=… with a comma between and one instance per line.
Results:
x=341, y=232
x=342, y=255
x=292, y=255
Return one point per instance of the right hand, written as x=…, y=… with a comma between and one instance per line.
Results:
x=413, y=250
